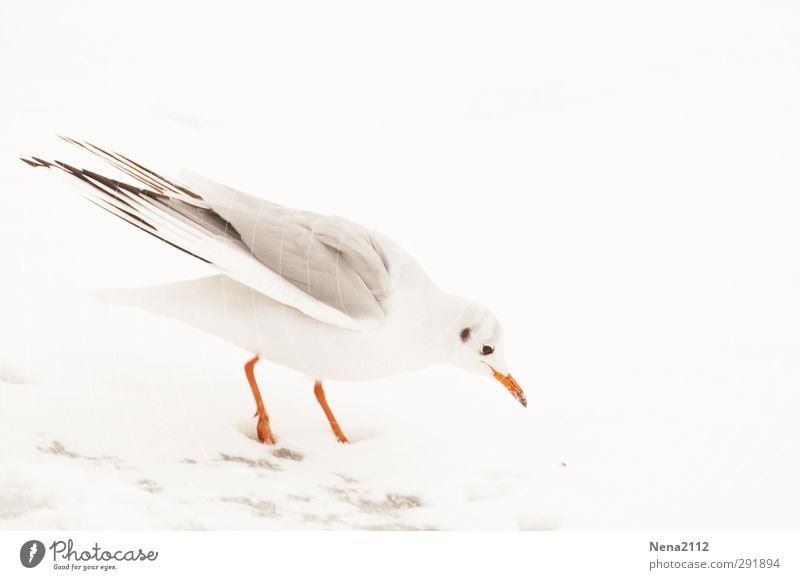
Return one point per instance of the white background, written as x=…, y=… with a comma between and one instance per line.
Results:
x=618, y=181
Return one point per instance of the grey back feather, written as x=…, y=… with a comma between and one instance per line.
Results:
x=335, y=261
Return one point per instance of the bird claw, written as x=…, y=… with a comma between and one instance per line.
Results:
x=264, y=432
x=339, y=434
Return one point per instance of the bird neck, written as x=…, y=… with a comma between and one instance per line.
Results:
x=443, y=325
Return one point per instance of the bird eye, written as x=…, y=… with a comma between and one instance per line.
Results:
x=487, y=349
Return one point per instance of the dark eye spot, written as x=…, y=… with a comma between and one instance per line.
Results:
x=487, y=349
x=465, y=334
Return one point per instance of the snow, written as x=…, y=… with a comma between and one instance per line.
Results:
x=617, y=182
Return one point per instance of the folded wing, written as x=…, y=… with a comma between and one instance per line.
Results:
x=325, y=266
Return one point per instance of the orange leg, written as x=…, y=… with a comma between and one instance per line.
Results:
x=262, y=428
x=328, y=413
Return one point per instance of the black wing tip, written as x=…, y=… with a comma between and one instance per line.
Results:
x=69, y=140
x=109, y=189
x=35, y=162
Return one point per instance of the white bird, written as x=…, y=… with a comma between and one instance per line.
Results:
x=319, y=294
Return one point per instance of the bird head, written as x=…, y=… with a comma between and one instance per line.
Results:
x=479, y=347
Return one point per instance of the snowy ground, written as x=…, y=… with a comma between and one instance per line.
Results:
x=618, y=183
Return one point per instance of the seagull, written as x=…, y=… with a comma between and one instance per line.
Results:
x=316, y=293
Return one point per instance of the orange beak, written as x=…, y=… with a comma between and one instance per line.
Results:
x=512, y=386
